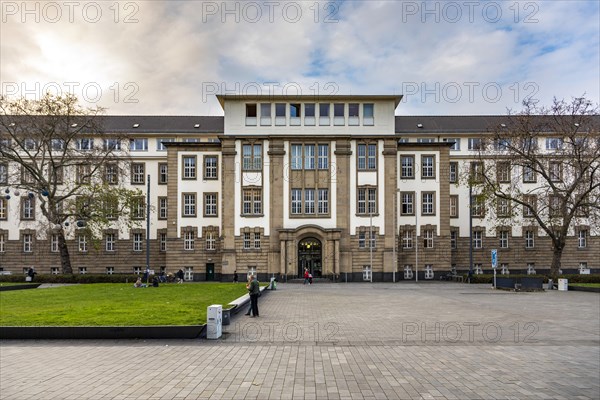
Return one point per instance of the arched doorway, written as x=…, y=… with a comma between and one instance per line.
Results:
x=309, y=257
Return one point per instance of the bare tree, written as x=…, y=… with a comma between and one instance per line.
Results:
x=541, y=166
x=55, y=153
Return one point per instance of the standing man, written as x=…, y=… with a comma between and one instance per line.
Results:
x=235, y=277
x=254, y=290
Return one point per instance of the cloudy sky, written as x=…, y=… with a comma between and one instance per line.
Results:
x=170, y=58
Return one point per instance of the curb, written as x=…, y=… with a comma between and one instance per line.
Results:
x=20, y=287
x=584, y=289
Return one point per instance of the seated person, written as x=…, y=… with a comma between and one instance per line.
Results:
x=139, y=283
x=155, y=281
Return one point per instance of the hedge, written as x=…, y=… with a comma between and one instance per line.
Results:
x=573, y=278
x=79, y=278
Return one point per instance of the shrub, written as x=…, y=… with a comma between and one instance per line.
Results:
x=489, y=278
x=84, y=278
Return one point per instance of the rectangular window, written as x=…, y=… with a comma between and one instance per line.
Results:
x=427, y=167
x=138, y=144
x=110, y=270
x=407, y=170
x=257, y=240
x=189, y=167
x=189, y=205
x=530, y=268
x=529, y=175
x=137, y=242
x=475, y=144
x=137, y=270
x=453, y=174
x=503, y=236
x=477, y=240
x=109, y=239
x=503, y=172
x=112, y=144
x=555, y=171
x=211, y=242
x=251, y=114
x=2, y=242
x=477, y=206
x=425, y=140
x=353, y=119
x=339, y=114
x=138, y=207
x=296, y=201
x=407, y=239
x=453, y=239
x=30, y=144
x=58, y=144
x=84, y=173
x=296, y=157
x=280, y=110
x=477, y=171
x=455, y=143
x=323, y=207
x=555, y=206
x=504, y=269
x=54, y=243
x=138, y=173
x=163, y=174
x=188, y=240
x=265, y=114
x=478, y=269
x=111, y=174
x=28, y=208
x=54, y=270
x=367, y=201
x=309, y=201
x=252, y=157
x=210, y=205
x=367, y=156
x=84, y=144
x=295, y=111
x=160, y=143
x=503, y=207
x=82, y=243
x=582, y=238
x=252, y=201
x=553, y=143
x=407, y=199
x=361, y=239
x=3, y=210
x=501, y=144
x=427, y=203
x=428, y=238
x=323, y=161
x=529, y=240
x=362, y=156
x=82, y=270
x=530, y=206
x=210, y=167
x=324, y=113
x=453, y=206
x=3, y=173
x=163, y=241
x=309, y=156
x=246, y=240
x=309, y=114
x=368, y=114
x=27, y=243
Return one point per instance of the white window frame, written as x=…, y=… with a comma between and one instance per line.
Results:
x=582, y=238
x=138, y=144
x=137, y=240
x=188, y=240
x=109, y=240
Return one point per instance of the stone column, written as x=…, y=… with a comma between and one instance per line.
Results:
x=275, y=202
x=228, y=170
x=342, y=155
x=390, y=156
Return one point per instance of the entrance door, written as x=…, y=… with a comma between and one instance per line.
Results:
x=210, y=271
x=309, y=257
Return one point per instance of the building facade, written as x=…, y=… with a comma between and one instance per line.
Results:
x=337, y=185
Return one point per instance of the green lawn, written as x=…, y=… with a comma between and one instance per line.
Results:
x=109, y=304
x=596, y=285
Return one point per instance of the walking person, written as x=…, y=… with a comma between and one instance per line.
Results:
x=235, y=277
x=306, y=275
x=254, y=290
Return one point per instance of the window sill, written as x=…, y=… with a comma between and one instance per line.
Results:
x=252, y=215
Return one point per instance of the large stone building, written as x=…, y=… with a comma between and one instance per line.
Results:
x=335, y=184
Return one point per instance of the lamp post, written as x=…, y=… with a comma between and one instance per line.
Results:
x=148, y=231
x=470, y=231
x=395, y=265
x=371, y=243
x=416, y=242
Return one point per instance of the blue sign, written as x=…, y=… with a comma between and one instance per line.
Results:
x=494, y=258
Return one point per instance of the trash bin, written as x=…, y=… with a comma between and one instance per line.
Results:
x=273, y=283
x=214, y=321
x=563, y=284
x=226, y=316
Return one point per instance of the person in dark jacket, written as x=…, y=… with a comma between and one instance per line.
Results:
x=180, y=276
x=253, y=291
x=31, y=273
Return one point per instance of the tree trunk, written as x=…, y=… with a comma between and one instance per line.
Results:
x=556, y=257
x=65, y=258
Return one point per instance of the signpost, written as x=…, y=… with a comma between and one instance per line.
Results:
x=494, y=264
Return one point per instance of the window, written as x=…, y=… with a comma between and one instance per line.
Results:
x=529, y=239
x=503, y=172
x=160, y=143
x=475, y=144
x=188, y=240
x=554, y=143
x=111, y=207
x=57, y=144
x=555, y=171
x=408, y=272
x=477, y=240
x=353, y=119
x=246, y=240
x=427, y=167
x=582, y=238
x=339, y=115
x=162, y=237
x=211, y=242
x=368, y=114
x=138, y=173
x=555, y=206
x=427, y=203
x=529, y=144
x=373, y=240
x=503, y=207
x=407, y=239
x=28, y=208
x=309, y=156
x=361, y=239
x=501, y=144
x=295, y=111
x=323, y=205
x=54, y=243
x=477, y=171
x=503, y=236
x=428, y=238
x=109, y=240
x=252, y=157
x=478, y=270
x=280, y=114
x=210, y=204
x=323, y=161
x=3, y=211
x=111, y=174
x=367, y=200
x=429, y=271
x=296, y=201
x=84, y=173
x=367, y=156
x=110, y=270
x=504, y=269
x=453, y=176
x=455, y=143
x=296, y=157
x=265, y=114
x=257, y=240
x=189, y=167
x=251, y=114
x=477, y=206
x=54, y=270
x=454, y=206
x=27, y=243
x=367, y=273
x=138, y=207
x=530, y=206
x=137, y=242
x=82, y=243
x=309, y=201
x=82, y=270
x=163, y=174
x=137, y=270
x=138, y=144
x=583, y=268
x=30, y=144
x=309, y=114
x=453, y=239
x=112, y=144
x=189, y=204
x=188, y=273
x=407, y=170
x=84, y=144
x=252, y=201
x=3, y=173
x=407, y=203
x=191, y=140
x=210, y=167
x=530, y=268
x=425, y=140
x=529, y=175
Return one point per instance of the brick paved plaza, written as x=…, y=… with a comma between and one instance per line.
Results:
x=341, y=341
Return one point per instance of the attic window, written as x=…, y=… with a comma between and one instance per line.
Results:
x=197, y=126
x=12, y=124
x=419, y=125
x=136, y=125
x=73, y=125
x=503, y=125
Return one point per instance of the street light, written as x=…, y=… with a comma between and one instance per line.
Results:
x=371, y=243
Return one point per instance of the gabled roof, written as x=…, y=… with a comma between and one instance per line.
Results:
x=162, y=124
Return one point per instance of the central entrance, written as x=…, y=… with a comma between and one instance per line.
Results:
x=309, y=257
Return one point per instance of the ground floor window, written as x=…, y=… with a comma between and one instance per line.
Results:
x=504, y=269
x=82, y=270
x=110, y=270
x=55, y=270
x=408, y=272
x=477, y=268
x=188, y=274
x=428, y=271
x=530, y=268
x=367, y=273
x=251, y=272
